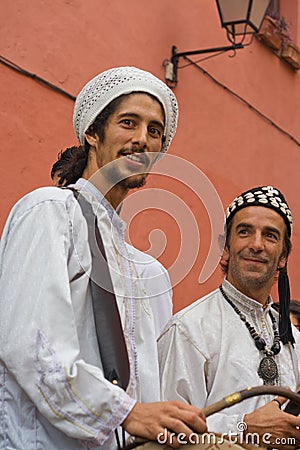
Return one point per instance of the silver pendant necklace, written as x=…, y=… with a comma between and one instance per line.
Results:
x=267, y=369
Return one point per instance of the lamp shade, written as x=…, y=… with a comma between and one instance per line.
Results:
x=241, y=17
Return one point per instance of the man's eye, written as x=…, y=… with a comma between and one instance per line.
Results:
x=127, y=122
x=243, y=232
x=155, y=131
x=271, y=236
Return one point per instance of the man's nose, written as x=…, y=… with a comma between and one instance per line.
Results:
x=140, y=136
x=256, y=242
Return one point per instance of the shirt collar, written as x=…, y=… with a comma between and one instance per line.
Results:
x=86, y=187
x=243, y=302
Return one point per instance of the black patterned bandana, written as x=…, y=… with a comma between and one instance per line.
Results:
x=267, y=196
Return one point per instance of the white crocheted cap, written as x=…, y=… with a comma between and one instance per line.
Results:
x=112, y=83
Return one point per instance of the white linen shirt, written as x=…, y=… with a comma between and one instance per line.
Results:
x=53, y=392
x=207, y=353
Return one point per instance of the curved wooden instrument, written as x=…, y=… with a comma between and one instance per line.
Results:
x=214, y=441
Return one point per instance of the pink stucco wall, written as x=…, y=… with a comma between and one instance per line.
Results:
x=67, y=42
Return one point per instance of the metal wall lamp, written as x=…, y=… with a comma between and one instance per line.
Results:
x=242, y=19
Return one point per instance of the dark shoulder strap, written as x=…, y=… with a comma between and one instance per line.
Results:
x=108, y=324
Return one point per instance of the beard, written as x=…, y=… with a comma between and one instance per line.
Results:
x=252, y=277
x=135, y=182
x=132, y=182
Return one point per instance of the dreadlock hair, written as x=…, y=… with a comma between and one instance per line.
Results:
x=69, y=166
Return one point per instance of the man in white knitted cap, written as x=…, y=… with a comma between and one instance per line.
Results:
x=65, y=383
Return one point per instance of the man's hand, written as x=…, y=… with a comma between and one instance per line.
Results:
x=270, y=420
x=148, y=420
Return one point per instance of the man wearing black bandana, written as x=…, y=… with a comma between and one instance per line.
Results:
x=232, y=338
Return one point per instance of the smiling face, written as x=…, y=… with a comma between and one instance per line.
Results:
x=132, y=138
x=255, y=251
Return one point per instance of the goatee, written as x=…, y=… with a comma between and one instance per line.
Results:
x=133, y=182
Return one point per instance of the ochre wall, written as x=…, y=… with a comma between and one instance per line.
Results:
x=68, y=42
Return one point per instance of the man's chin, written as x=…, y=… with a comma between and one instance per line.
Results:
x=257, y=279
x=254, y=269
x=134, y=182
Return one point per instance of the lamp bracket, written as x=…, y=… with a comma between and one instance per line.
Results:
x=171, y=65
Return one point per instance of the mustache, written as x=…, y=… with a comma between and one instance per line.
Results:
x=144, y=157
x=254, y=257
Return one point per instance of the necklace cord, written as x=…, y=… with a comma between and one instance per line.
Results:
x=268, y=369
x=259, y=341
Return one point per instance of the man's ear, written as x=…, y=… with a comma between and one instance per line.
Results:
x=225, y=254
x=92, y=139
x=224, y=260
x=282, y=262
